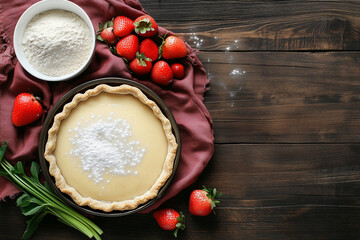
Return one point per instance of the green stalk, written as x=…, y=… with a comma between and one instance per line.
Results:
x=53, y=204
x=73, y=223
x=69, y=216
x=52, y=199
x=61, y=206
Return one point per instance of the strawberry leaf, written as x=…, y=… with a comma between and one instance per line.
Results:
x=180, y=224
x=142, y=59
x=161, y=45
x=111, y=23
x=212, y=195
x=98, y=37
x=143, y=26
x=113, y=50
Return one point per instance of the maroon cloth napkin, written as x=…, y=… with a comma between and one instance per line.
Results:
x=184, y=98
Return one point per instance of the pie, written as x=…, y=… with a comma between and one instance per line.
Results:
x=111, y=148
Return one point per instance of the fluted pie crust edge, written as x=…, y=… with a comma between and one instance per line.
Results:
x=91, y=202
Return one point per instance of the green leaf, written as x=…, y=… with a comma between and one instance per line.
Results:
x=23, y=200
x=37, y=201
x=176, y=232
x=126, y=61
x=3, y=150
x=47, y=186
x=180, y=224
x=98, y=37
x=161, y=45
x=35, y=170
x=32, y=225
x=18, y=168
x=113, y=50
x=33, y=211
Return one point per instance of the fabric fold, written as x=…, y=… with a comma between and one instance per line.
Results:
x=184, y=97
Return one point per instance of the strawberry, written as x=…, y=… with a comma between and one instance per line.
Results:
x=150, y=49
x=128, y=46
x=173, y=47
x=202, y=202
x=123, y=26
x=108, y=36
x=105, y=33
x=145, y=26
x=141, y=65
x=27, y=109
x=170, y=219
x=162, y=73
x=178, y=70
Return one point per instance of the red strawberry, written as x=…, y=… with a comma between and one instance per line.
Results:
x=141, y=65
x=169, y=219
x=27, y=109
x=178, y=70
x=162, y=73
x=150, y=49
x=128, y=46
x=202, y=202
x=145, y=26
x=173, y=47
x=123, y=26
x=105, y=33
x=108, y=35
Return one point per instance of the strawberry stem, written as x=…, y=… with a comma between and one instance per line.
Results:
x=162, y=44
x=180, y=225
x=38, y=99
x=143, y=26
x=142, y=59
x=212, y=195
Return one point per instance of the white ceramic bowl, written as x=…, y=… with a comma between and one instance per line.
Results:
x=28, y=15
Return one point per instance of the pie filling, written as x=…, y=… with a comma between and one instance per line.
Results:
x=113, y=149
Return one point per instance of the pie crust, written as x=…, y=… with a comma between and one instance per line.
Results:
x=107, y=206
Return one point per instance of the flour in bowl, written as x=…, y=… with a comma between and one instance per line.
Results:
x=57, y=42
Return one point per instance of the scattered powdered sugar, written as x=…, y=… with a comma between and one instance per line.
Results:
x=57, y=42
x=103, y=147
x=233, y=46
x=236, y=73
x=195, y=40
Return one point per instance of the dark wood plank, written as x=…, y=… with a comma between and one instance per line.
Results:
x=267, y=173
x=271, y=191
x=284, y=97
x=262, y=25
x=281, y=223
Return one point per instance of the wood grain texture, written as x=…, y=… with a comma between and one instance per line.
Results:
x=271, y=191
x=281, y=223
x=284, y=97
x=262, y=25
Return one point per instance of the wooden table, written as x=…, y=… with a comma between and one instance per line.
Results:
x=285, y=101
